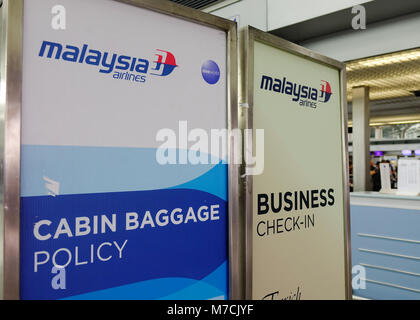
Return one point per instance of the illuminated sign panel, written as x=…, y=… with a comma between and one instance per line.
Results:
x=101, y=217
x=297, y=215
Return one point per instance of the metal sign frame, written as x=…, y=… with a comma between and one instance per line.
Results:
x=248, y=36
x=11, y=107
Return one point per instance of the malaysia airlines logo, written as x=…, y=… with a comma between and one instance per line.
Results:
x=325, y=91
x=165, y=63
x=122, y=67
x=305, y=95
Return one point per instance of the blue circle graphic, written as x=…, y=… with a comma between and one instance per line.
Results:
x=210, y=71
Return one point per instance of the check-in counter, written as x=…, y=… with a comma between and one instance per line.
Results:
x=385, y=240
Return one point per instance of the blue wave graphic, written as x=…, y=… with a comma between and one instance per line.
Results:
x=211, y=287
x=218, y=278
x=198, y=291
x=214, y=182
x=214, y=285
x=82, y=170
x=144, y=290
x=190, y=250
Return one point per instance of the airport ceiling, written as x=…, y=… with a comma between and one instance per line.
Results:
x=389, y=76
x=196, y=4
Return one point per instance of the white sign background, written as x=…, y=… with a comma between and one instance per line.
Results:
x=303, y=151
x=83, y=107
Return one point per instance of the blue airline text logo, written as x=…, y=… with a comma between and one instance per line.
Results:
x=124, y=67
x=304, y=95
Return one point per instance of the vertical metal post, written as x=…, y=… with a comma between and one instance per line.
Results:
x=346, y=178
x=378, y=133
x=2, y=106
x=361, y=136
x=235, y=273
x=11, y=103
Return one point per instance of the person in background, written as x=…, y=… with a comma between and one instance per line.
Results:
x=376, y=178
x=393, y=175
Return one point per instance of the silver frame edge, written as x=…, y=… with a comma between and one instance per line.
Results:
x=13, y=33
x=346, y=177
